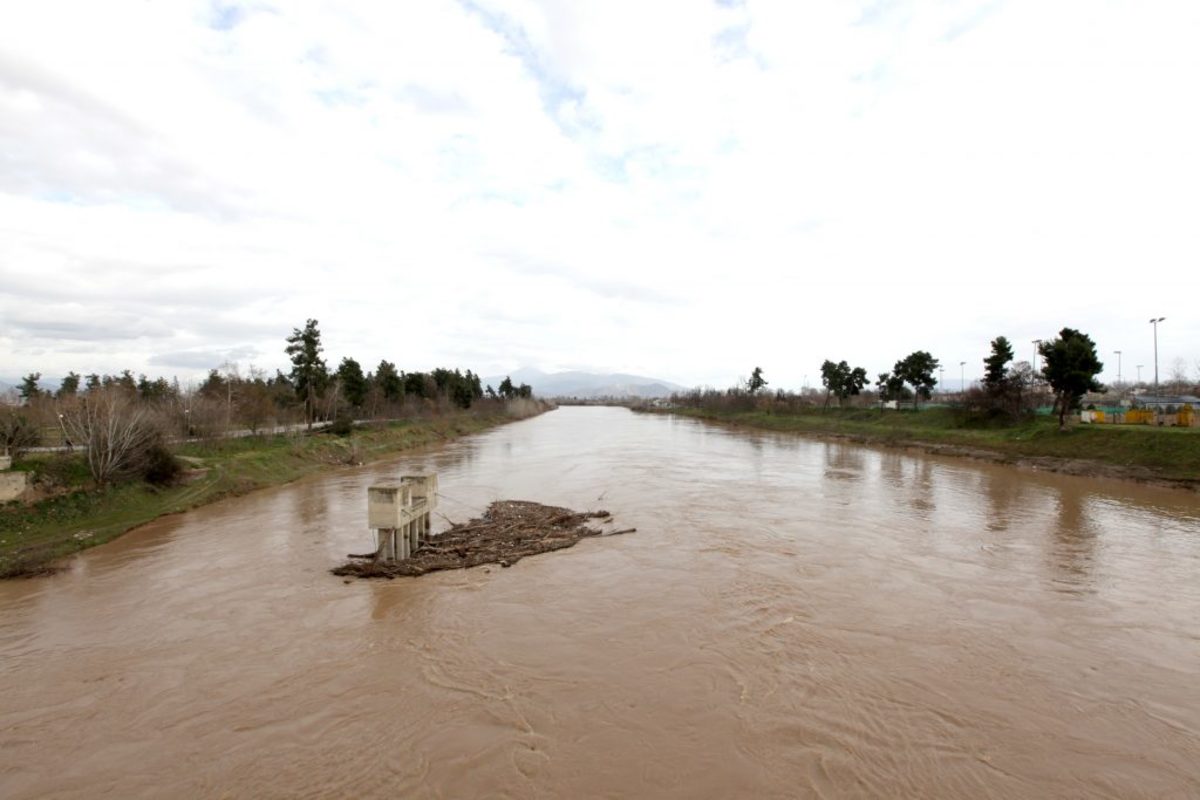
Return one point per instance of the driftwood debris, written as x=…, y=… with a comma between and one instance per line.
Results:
x=508, y=531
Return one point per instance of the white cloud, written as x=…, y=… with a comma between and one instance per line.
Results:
x=674, y=188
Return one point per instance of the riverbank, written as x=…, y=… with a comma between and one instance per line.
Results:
x=74, y=515
x=1161, y=456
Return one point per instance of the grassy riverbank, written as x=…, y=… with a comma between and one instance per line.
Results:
x=78, y=515
x=1140, y=452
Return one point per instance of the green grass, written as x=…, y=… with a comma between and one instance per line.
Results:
x=1171, y=453
x=32, y=537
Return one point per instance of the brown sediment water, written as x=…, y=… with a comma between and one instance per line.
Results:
x=793, y=619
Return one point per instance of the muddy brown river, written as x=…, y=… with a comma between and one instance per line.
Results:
x=793, y=618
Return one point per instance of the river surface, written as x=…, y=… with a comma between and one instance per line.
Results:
x=793, y=618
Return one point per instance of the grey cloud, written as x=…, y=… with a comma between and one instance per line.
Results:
x=78, y=149
x=604, y=287
x=204, y=359
x=620, y=290
x=69, y=326
x=125, y=283
x=82, y=325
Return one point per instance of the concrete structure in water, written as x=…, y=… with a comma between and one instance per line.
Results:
x=400, y=515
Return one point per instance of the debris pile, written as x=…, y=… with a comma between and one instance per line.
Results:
x=507, y=532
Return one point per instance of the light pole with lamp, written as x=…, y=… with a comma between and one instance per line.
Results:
x=1154, y=322
x=962, y=377
x=62, y=424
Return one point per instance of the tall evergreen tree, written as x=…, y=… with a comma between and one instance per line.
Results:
x=1070, y=367
x=29, y=387
x=354, y=383
x=995, y=366
x=757, y=381
x=309, y=373
x=388, y=380
x=69, y=386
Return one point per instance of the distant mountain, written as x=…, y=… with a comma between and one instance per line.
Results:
x=587, y=385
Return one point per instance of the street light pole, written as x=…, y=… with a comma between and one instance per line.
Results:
x=1154, y=322
x=962, y=377
x=62, y=424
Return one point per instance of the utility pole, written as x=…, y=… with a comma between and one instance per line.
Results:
x=1154, y=322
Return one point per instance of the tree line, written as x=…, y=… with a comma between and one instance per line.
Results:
x=122, y=419
x=1069, y=368
x=320, y=388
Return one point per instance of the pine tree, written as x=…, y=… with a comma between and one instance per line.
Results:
x=309, y=373
x=996, y=365
x=1071, y=366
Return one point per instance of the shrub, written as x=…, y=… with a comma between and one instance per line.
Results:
x=159, y=466
x=342, y=425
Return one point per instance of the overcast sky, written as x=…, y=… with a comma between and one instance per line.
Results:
x=677, y=189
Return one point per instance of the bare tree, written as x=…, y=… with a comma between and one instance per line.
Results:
x=18, y=432
x=1020, y=382
x=114, y=431
x=1178, y=382
x=254, y=404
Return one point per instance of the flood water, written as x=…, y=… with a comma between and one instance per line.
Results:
x=793, y=618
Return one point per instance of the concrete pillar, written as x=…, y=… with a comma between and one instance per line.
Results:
x=387, y=545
